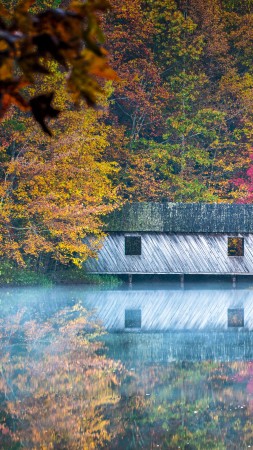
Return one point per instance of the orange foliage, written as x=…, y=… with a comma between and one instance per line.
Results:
x=54, y=191
x=62, y=385
x=70, y=37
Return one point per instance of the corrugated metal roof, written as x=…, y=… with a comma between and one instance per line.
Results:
x=182, y=218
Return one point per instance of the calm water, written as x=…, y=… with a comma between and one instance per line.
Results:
x=173, y=370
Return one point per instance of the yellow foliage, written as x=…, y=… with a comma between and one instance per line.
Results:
x=63, y=393
x=56, y=191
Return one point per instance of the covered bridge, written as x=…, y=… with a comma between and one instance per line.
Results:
x=177, y=238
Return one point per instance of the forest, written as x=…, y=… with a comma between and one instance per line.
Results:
x=176, y=125
x=103, y=104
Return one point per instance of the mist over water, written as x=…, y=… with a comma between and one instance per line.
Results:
x=162, y=306
x=173, y=370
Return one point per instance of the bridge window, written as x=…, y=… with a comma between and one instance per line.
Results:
x=133, y=318
x=236, y=317
x=235, y=246
x=133, y=245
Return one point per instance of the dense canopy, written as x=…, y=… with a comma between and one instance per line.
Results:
x=176, y=126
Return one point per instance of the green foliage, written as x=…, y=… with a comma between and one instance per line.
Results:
x=11, y=275
x=74, y=275
x=202, y=51
x=240, y=6
x=15, y=125
x=187, y=406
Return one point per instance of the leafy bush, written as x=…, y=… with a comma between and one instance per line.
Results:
x=79, y=276
x=11, y=275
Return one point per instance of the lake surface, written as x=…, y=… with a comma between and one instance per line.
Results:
x=174, y=368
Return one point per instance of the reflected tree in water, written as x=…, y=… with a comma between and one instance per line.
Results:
x=55, y=383
x=187, y=405
x=60, y=391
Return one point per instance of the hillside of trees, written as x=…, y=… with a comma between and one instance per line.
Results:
x=176, y=126
x=184, y=105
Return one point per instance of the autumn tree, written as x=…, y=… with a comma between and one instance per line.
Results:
x=240, y=6
x=139, y=97
x=55, y=191
x=202, y=140
x=62, y=386
x=71, y=37
x=180, y=113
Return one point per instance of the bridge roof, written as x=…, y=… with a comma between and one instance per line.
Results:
x=182, y=218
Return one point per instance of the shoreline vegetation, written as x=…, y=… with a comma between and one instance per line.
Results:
x=10, y=275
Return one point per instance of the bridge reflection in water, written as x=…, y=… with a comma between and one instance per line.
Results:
x=166, y=310
x=167, y=325
x=153, y=322
x=186, y=380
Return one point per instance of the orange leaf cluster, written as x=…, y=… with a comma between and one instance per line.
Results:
x=69, y=37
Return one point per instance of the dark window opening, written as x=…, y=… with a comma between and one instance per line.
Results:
x=133, y=318
x=236, y=317
x=235, y=246
x=132, y=245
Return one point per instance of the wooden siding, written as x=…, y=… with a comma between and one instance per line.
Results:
x=173, y=254
x=171, y=309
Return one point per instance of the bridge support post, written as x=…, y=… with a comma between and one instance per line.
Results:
x=182, y=281
x=130, y=279
x=234, y=281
